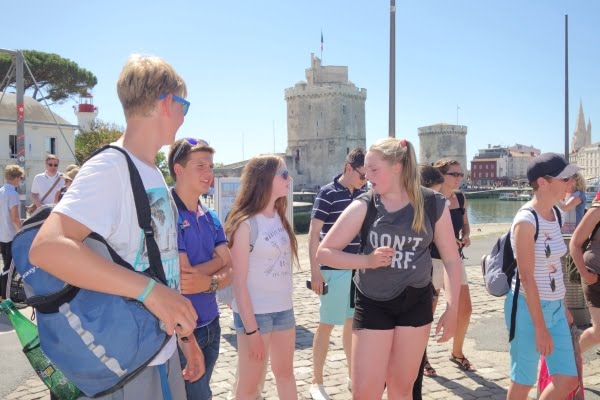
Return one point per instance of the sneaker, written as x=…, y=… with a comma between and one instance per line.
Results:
x=317, y=392
x=349, y=384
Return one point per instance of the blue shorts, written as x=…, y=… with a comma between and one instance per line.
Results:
x=335, y=305
x=269, y=322
x=524, y=358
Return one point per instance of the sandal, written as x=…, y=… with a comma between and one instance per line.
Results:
x=428, y=370
x=463, y=363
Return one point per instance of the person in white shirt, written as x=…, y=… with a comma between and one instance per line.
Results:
x=46, y=184
x=262, y=277
x=101, y=200
x=10, y=221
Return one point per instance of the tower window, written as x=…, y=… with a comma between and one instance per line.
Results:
x=344, y=109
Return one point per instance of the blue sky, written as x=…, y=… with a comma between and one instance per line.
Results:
x=501, y=62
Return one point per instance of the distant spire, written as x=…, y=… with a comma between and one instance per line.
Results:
x=589, y=129
x=580, y=127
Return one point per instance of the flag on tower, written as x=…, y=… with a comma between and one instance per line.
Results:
x=321, y=41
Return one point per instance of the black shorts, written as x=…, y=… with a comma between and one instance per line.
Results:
x=412, y=307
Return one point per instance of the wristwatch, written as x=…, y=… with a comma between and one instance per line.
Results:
x=214, y=285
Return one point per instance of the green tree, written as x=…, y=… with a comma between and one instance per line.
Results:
x=60, y=78
x=102, y=133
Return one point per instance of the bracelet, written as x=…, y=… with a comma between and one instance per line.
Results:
x=214, y=285
x=251, y=333
x=147, y=290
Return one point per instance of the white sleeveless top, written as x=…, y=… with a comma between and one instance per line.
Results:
x=269, y=279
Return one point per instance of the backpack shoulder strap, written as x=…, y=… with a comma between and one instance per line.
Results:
x=460, y=196
x=143, y=211
x=558, y=215
x=253, y=231
x=369, y=218
x=431, y=207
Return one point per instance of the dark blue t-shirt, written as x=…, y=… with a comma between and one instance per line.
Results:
x=198, y=234
x=331, y=200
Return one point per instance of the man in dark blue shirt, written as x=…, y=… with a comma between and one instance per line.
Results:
x=204, y=257
x=335, y=308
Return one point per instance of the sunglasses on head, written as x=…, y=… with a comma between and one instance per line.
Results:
x=52, y=164
x=284, y=173
x=191, y=142
x=185, y=105
x=363, y=177
x=455, y=174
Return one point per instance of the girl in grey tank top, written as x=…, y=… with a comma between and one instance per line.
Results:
x=396, y=261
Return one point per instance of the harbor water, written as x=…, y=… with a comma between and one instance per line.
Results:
x=492, y=210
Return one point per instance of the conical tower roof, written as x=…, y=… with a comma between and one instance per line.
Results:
x=580, y=127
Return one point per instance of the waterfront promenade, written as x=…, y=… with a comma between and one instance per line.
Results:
x=486, y=346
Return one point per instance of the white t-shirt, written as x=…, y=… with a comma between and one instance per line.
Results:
x=270, y=268
x=549, y=248
x=101, y=198
x=42, y=183
x=9, y=198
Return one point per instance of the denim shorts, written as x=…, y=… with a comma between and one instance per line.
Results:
x=269, y=322
x=524, y=357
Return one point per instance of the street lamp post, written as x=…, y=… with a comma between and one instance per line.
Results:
x=392, y=100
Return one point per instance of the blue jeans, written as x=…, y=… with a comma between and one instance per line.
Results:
x=208, y=338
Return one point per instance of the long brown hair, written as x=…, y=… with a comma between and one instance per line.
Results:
x=254, y=195
x=402, y=151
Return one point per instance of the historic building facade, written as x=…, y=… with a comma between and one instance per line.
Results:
x=325, y=120
x=443, y=141
x=583, y=152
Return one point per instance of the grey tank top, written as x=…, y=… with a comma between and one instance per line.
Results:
x=411, y=265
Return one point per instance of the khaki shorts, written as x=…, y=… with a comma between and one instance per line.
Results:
x=437, y=277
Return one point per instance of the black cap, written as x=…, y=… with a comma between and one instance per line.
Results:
x=550, y=164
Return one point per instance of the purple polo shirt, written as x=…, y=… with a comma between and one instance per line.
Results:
x=198, y=234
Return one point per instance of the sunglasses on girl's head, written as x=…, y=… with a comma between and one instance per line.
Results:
x=191, y=142
x=284, y=173
x=185, y=105
x=455, y=174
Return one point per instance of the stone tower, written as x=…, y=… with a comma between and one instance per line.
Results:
x=443, y=141
x=582, y=136
x=325, y=120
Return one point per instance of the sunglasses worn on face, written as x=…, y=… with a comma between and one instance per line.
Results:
x=191, y=142
x=284, y=173
x=53, y=165
x=567, y=179
x=455, y=174
x=363, y=177
x=185, y=105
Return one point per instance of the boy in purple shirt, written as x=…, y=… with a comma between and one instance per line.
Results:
x=204, y=257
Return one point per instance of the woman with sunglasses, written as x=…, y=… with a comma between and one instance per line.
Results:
x=542, y=320
x=453, y=175
x=262, y=277
x=393, y=307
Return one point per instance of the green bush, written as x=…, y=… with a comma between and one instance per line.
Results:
x=301, y=222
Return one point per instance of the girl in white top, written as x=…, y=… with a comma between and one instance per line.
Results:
x=542, y=320
x=262, y=277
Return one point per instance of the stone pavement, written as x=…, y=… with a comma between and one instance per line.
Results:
x=486, y=346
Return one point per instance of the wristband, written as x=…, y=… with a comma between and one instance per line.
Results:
x=251, y=333
x=147, y=290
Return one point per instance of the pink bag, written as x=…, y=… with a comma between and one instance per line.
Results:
x=545, y=379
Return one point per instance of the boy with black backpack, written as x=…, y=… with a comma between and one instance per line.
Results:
x=101, y=200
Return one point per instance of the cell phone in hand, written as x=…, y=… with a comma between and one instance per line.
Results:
x=325, y=286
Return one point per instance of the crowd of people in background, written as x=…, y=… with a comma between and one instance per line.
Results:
x=379, y=258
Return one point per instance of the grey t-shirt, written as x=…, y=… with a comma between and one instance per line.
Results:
x=411, y=266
